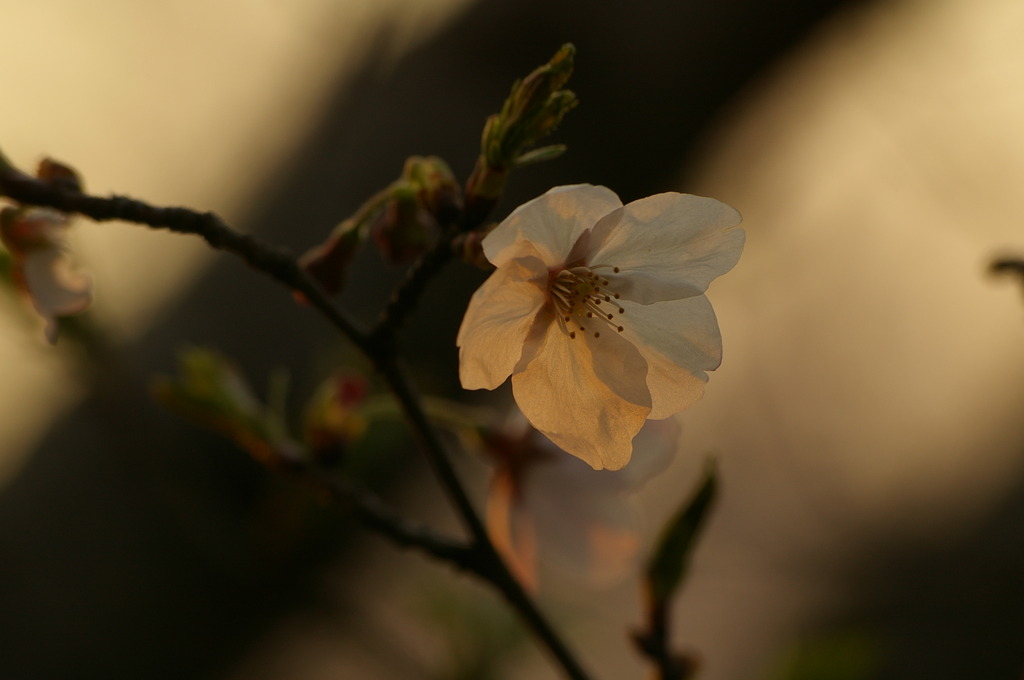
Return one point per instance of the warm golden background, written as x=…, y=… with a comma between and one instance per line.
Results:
x=867, y=416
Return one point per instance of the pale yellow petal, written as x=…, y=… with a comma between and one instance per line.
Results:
x=587, y=395
x=680, y=341
x=511, y=529
x=667, y=246
x=551, y=223
x=497, y=322
x=654, y=449
x=583, y=523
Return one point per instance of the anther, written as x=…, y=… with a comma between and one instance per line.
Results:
x=577, y=293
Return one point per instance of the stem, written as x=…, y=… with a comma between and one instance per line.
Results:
x=272, y=260
x=406, y=295
x=375, y=515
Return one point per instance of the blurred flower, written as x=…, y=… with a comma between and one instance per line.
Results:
x=597, y=311
x=333, y=420
x=37, y=239
x=552, y=507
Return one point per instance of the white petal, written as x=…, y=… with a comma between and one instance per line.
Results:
x=588, y=395
x=654, y=448
x=680, y=341
x=667, y=246
x=56, y=289
x=584, y=525
x=551, y=222
x=497, y=322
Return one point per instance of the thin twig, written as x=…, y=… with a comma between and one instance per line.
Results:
x=374, y=514
x=273, y=261
x=405, y=296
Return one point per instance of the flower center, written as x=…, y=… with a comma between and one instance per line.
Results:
x=582, y=297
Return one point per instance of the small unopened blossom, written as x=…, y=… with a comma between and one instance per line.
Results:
x=37, y=240
x=404, y=229
x=597, y=311
x=329, y=262
x=333, y=420
x=544, y=506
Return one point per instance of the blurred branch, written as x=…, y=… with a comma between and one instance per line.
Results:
x=273, y=261
x=375, y=515
x=1009, y=266
x=405, y=296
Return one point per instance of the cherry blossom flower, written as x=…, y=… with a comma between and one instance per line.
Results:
x=544, y=506
x=597, y=311
x=37, y=240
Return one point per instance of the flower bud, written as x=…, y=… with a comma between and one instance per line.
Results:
x=328, y=263
x=41, y=267
x=59, y=175
x=404, y=229
x=437, y=190
x=532, y=111
x=425, y=199
x=471, y=250
x=333, y=421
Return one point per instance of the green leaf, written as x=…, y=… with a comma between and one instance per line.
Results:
x=544, y=153
x=837, y=655
x=671, y=558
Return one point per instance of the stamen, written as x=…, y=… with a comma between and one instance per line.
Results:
x=577, y=293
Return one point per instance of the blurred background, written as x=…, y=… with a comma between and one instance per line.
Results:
x=867, y=416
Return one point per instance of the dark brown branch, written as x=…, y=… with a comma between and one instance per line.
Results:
x=406, y=295
x=273, y=261
x=374, y=514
